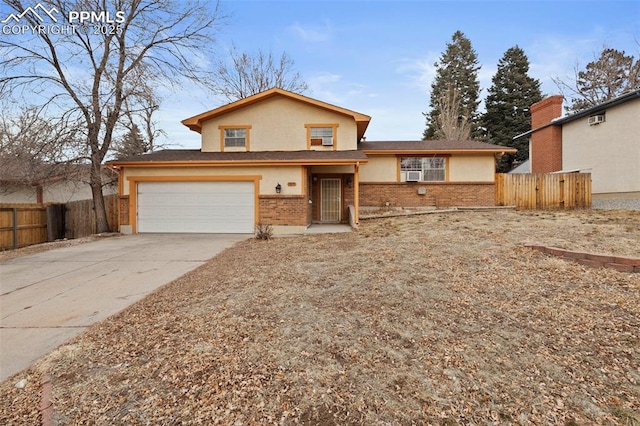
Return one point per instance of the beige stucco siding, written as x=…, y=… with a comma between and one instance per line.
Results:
x=62, y=191
x=471, y=168
x=278, y=124
x=74, y=190
x=289, y=177
x=461, y=168
x=331, y=169
x=380, y=169
x=18, y=194
x=610, y=151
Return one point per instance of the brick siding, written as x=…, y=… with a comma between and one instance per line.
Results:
x=284, y=210
x=441, y=195
x=123, y=210
x=347, y=199
x=546, y=144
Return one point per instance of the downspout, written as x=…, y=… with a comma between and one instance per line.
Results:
x=356, y=193
x=118, y=170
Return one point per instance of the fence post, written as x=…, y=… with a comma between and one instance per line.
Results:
x=15, y=228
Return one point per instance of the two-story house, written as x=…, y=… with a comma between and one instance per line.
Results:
x=287, y=160
x=603, y=140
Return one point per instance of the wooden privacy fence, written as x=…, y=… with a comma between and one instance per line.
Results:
x=23, y=225
x=79, y=220
x=544, y=190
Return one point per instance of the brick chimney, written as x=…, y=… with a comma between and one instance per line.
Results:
x=546, y=144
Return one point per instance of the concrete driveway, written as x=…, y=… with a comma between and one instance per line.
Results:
x=48, y=298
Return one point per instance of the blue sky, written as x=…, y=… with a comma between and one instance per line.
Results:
x=377, y=57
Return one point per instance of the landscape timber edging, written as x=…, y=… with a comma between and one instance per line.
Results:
x=619, y=263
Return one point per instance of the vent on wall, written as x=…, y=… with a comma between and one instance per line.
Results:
x=596, y=119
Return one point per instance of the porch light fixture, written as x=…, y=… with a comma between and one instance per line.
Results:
x=278, y=188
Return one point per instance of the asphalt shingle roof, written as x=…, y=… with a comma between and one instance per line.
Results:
x=430, y=145
x=195, y=155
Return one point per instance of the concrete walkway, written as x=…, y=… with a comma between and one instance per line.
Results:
x=48, y=298
x=324, y=228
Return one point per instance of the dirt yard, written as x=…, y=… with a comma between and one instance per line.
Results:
x=437, y=319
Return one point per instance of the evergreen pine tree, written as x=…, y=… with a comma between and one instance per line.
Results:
x=507, y=106
x=457, y=70
x=132, y=143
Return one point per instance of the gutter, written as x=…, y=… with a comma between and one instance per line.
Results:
x=522, y=135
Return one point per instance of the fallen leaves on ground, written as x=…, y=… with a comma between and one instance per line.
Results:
x=434, y=319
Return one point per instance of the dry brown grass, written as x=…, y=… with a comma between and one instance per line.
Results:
x=435, y=319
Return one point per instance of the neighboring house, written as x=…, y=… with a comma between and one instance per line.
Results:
x=287, y=160
x=53, y=184
x=603, y=140
x=524, y=167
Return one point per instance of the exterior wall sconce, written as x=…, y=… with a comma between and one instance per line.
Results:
x=349, y=181
x=278, y=188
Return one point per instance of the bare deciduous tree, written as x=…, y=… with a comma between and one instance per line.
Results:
x=453, y=123
x=142, y=133
x=247, y=74
x=35, y=146
x=96, y=72
x=605, y=78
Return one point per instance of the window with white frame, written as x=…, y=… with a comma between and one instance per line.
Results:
x=321, y=135
x=235, y=137
x=430, y=169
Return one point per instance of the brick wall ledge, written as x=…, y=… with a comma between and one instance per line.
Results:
x=280, y=196
x=619, y=263
x=428, y=183
x=409, y=211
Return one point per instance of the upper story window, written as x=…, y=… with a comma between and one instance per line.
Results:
x=321, y=135
x=423, y=169
x=234, y=137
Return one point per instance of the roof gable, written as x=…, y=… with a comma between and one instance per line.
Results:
x=195, y=123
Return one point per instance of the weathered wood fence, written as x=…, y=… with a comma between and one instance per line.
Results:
x=544, y=190
x=79, y=220
x=23, y=225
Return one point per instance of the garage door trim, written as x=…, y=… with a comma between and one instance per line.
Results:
x=133, y=190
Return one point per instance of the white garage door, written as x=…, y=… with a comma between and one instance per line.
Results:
x=199, y=207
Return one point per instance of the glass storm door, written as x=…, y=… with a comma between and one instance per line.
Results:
x=330, y=200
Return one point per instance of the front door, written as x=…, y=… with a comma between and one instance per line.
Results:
x=330, y=205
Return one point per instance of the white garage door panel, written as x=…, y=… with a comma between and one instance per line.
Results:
x=200, y=207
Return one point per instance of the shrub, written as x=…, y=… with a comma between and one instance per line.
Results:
x=264, y=232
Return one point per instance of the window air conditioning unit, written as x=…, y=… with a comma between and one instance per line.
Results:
x=596, y=119
x=413, y=176
x=327, y=141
